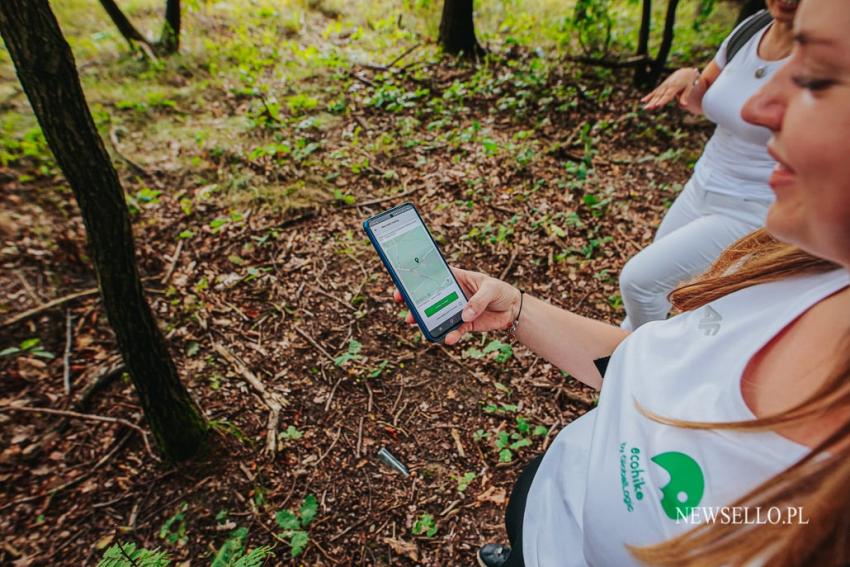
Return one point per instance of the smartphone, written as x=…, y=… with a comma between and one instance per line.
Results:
x=418, y=269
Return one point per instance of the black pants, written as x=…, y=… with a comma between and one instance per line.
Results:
x=516, y=511
x=519, y=495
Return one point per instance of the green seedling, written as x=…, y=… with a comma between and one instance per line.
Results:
x=353, y=353
x=295, y=526
x=26, y=348
x=425, y=525
x=174, y=529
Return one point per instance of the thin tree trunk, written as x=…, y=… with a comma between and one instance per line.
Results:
x=642, y=71
x=645, y=24
x=666, y=42
x=169, y=41
x=124, y=25
x=457, y=29
x=45, y=67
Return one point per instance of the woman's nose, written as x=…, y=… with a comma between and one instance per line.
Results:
x=767, y=106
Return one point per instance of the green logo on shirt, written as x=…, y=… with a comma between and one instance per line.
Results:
x=681, y=494
x=686, y=486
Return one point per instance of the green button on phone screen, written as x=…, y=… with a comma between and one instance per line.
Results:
x=447, y=300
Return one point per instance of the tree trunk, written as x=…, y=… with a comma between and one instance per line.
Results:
x=749, y=8
x=666, y=43
x=457, y=29
x=124, y=25
x=45, y=67
x=169, y=41
x=642, y=71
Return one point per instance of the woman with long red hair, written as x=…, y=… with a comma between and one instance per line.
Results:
x=722, y=435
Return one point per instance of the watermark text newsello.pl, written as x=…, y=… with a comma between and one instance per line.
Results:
x=743, y=515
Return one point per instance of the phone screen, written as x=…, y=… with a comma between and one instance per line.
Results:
x=418, y=264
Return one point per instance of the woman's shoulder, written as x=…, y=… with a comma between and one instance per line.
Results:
x=743, y=34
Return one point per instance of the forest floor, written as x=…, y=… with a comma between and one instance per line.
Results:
x=247, y=204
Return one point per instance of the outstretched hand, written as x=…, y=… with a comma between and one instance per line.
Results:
x=678, y=85
x=492, y=304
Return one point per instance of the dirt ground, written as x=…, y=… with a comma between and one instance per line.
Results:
x=287, y=292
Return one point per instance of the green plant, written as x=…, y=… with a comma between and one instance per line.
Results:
x=343, y=197
x=380, y=369
x=425, y=525
x=28, y=347
x=174, y=529
x=232, y=552
x=294, y=526
x=503, y=351
x=480, y=435
x=128, y=555
x=464, y=481
x=593, y=23
x=500, y=409
x=593, y=244
x=615, y=301
x=506, y=443
x=353, y=353
x=596, y=205
x=291, y=434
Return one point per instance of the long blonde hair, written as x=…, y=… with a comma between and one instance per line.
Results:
x=819, y=483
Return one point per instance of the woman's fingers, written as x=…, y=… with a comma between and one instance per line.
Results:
x=685, y=95
x=478, y=303
x=469, y=281
x=455, y=336
x=662, y=98
x=452, y=338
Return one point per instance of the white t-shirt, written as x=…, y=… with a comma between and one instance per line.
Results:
x=735, y=160
x=615, y=477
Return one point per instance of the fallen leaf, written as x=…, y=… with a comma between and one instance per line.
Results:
x=103, y=542
x=494, y=495
x=402, y=547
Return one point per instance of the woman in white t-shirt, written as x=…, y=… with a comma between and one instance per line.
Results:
x=735, y=414
x=727, y=195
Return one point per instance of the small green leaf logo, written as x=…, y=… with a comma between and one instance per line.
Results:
x=686, y=486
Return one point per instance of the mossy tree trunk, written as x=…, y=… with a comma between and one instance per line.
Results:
x=45, y=67
x=457, y=29
x=169, y=41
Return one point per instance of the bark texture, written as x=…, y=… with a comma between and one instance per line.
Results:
x=457, y=29
x=648, y=73
x=45, y=67
x=127, y=29
x=169, y=41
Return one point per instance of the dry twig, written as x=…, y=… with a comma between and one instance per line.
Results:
x=47, y=306
x=316, y=345
x=87, y=416
x=510, y=264
x=113, y=137
x=72, y=482
x=173, y=264
x=273, y=400
x=66, y=358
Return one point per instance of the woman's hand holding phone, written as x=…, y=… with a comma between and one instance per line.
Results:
x=493, y=304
